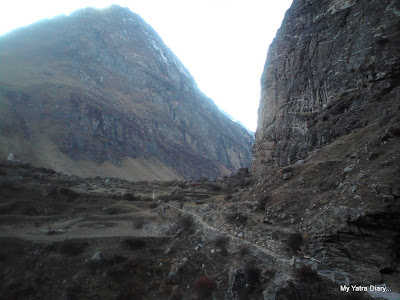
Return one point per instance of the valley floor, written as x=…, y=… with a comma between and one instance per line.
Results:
x=64, y=237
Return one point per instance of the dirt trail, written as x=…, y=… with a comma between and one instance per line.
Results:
x=275, y=257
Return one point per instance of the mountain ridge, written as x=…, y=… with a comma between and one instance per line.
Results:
x=112, y=102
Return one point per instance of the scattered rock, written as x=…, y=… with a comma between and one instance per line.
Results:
x=354, y=155
x=348, y=168
x=173, y=277
x=98, y=256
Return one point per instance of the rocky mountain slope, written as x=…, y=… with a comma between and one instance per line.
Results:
x=333, y=68
x=98, y=92
x=326, y=156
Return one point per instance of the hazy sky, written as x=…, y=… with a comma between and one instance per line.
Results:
x=223, y=43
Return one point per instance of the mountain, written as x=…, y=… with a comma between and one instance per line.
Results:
x=332, y=69
x=326, y=155
x=99, y=93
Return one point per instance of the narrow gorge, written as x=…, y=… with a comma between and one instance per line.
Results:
x=317, y=216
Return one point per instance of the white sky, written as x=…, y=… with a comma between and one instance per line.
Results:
x=223, y=43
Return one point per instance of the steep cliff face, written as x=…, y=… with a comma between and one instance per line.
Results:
x=333, y=68
x=99, y=92
x=327, y=145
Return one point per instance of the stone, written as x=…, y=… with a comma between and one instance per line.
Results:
x=348, y=168
x=301, y=161
x=173, y=277
x=354, y=155
x=98, y=256
x=167, y=251
x=11, y=157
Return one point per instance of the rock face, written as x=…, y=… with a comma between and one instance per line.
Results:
x=326, y=152
x=333, y=68
x=99, y=92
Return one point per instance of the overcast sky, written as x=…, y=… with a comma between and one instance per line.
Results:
x=223, y=43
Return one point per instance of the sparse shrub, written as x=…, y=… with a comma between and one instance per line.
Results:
x=135, y=243
x=262, y=202
x=288, y=169
x=221, y=242
x=237, y=219
x=202, y=179
x=205, y=287
x=176, y=296
x=228, y=197
x=70, y=194
x=382, y=41
x=185, y=222
x=164, y=198
x=153, y=205
x=72, y=247
x=295, y=241
x=116, y=197
x=395, y=131
x=3, y=254
x=45, y=170
x=213, y=187
x=253, y=275
x=6, y=184
x=139, y=225
x=116, y=259
x=131, y=197
x=183, y=185
x=30, y=211
x=130, y=289
x=243, y=251
x=305, y=273
x=375, y=155
x=72, y=290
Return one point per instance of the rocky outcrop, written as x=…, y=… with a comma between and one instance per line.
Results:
x=99, y=87
x=326, y=154
x=333, y=68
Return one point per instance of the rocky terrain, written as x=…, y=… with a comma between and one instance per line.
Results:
x=326, y=155
x=98, y=92
x=332, y=69
x=318, y=212
x=65, y=237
